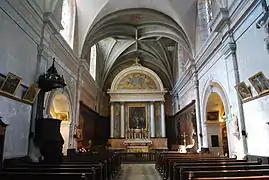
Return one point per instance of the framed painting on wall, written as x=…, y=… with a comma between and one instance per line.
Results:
x=137, y=118
x=260, y=83
x=243, y=91
x=31, y=93
x=11, y=84
x=64, y=116
x=212, y=116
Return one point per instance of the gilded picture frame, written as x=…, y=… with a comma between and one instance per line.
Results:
x=11, y=84
x=141, y=112
x=243, y=91
x=64, y=116
x=31, y=93
x=260, y=83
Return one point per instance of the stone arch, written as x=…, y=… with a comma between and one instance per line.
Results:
x=66, y=127
x=137, y=69
x=213, y=86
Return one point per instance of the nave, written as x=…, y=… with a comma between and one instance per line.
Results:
x=121, y=166
x=139, y=171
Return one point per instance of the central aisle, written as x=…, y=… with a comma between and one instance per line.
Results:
x=139, y=172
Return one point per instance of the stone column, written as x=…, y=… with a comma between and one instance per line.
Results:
x=201, y=130
x=111, y=120
x=122, y=120
x=152, y=123
x=162, y=120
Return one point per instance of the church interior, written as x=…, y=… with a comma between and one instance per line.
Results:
x=134, y=89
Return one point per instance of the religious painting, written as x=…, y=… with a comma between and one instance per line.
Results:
x=137, y=81
x=64, y=116
x=137, y=118
x=212, y=116
x=260, y=83
x=31, y=93
x=243, y=91
x=11, y=84
x=2, y=79
x=79, y=135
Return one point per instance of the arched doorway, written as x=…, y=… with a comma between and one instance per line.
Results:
x=60, y=109
x=216, y=125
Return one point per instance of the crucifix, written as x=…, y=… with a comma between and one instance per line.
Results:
x=184, y=138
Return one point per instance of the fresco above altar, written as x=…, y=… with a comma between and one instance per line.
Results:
x=137, y=81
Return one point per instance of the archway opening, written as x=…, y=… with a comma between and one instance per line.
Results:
x=60, y=109
x=216, y=125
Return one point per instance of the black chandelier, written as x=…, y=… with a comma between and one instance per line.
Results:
x=51, y=80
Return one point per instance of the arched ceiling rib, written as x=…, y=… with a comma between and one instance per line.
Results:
x=183, y=12
x=124, y=35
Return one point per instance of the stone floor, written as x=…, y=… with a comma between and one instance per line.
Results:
x=139, y=172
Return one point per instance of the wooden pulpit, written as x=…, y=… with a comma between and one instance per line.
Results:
x=2, y=141
x=49, y=139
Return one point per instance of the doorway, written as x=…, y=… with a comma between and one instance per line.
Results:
x=216, y=125
x=60, y=109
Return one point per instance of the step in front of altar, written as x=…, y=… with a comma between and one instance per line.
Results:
x=157, y=143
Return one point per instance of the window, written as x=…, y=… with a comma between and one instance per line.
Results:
x=68, y=21
x=93, y=62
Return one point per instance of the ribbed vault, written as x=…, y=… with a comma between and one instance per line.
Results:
x=124, y=35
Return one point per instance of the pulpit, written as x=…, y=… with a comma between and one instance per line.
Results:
x=49, y=139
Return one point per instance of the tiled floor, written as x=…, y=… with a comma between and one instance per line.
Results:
x=139, y=172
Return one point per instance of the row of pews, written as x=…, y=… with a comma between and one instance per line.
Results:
x=175, y=166
x=83, y=166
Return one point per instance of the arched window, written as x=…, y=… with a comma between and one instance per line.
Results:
x=68, y=21
x=93, y=62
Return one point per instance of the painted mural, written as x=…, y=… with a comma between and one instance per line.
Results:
x=137, y=81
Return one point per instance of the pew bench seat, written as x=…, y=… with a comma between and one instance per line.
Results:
x=45, y=176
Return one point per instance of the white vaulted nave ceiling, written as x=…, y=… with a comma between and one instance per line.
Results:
x=90, y=11
x=123, y=30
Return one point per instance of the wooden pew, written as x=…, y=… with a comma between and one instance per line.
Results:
x=236, y=178
x=99, y=166
x=224, y=173
x=176, y=169
x=218, y=168
x=168, y=165
x=45, y=176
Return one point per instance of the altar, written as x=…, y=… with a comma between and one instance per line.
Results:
x=137, y=110
x=137, y=145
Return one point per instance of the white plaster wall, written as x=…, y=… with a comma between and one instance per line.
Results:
x=18, y=54
x=186, y=95
x=17, y=50
x=214, y=129
x=217, y=70
x=252, y=58
x=65, y=128
x=17, y=115
x=256, y=116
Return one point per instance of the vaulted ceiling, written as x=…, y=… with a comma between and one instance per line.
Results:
x=149, y=29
